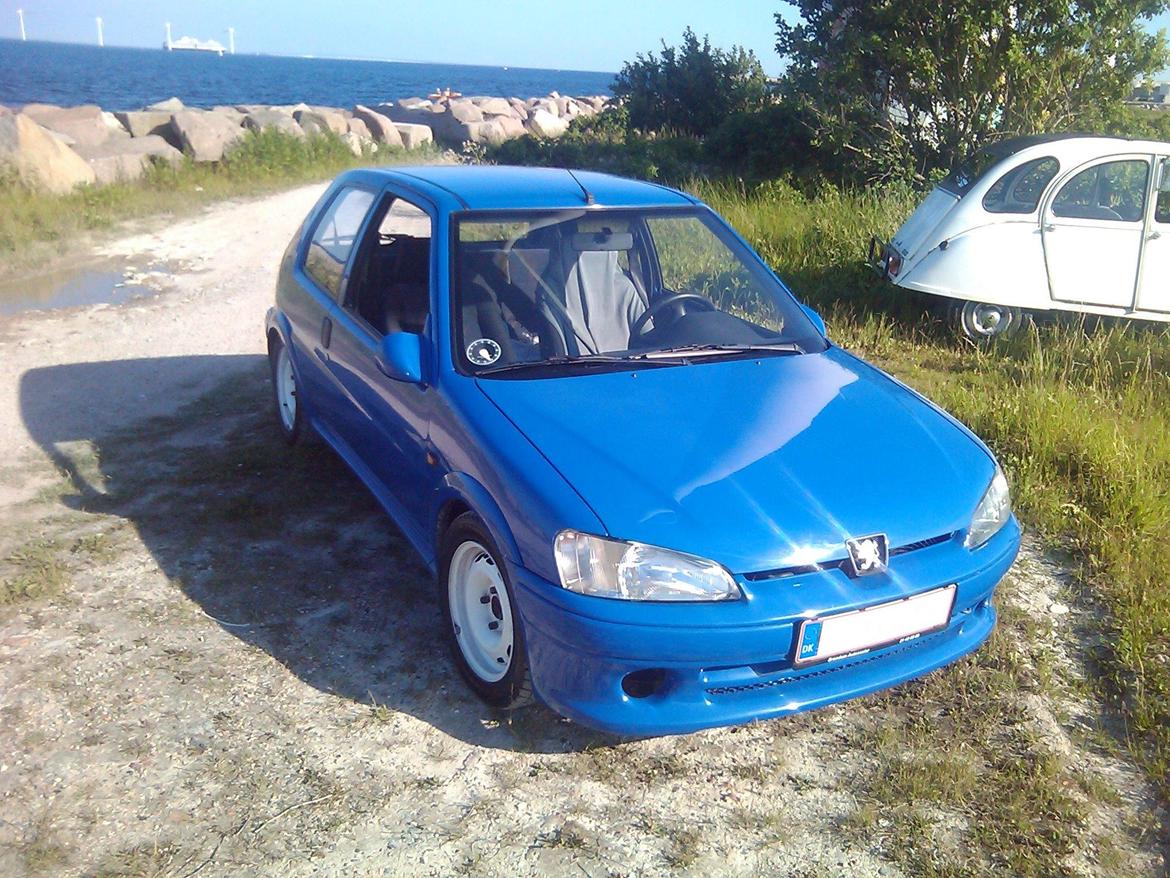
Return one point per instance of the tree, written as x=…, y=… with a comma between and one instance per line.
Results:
x=907, y=85
x=690, y=89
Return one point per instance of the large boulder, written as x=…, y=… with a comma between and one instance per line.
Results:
x=38, y=158
x=273, y=120
x=545, y=125
x=5, y=111
x=170, y=105
x=142, y=123
x=355, y=143
x=205, y=136
x=127, y=158
x=381, y=127
x=493, y=106
x=358, y=127
x=510, y=125
x=465, y=111
x=321, y=121
x=81, y=125
x=414, y=135
x=519, y=108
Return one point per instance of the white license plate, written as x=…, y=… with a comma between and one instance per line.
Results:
x=880, y=625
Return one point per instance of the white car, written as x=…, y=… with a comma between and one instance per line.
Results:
x=1042, y=223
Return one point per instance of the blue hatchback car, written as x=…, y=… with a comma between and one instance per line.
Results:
x=655, y=496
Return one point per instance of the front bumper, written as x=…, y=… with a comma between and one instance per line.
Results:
x=715, y=665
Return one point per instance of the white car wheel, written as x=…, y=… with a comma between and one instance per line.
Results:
x=979, y=321
x=481, y=612
x=286, y=390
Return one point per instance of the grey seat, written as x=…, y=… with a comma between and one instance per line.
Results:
x=600, y=298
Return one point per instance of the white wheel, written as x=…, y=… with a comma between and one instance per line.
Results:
x=481, y=613
x=982, y=322
x=286, y=390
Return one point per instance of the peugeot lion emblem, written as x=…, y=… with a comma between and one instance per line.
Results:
x=869, y=554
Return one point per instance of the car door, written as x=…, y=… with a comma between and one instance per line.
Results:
x=387, y=290
x=1093, y=229
x=320, y=274
x=1154, y=290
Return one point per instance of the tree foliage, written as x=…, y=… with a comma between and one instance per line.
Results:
x=691, y=88
x=904, y=85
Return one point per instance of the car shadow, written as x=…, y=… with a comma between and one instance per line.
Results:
x=282, y=547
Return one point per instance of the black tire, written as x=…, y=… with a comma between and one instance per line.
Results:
x=293, y=426
x=514, y=689
x=980, y=322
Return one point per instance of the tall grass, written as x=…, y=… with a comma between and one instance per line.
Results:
x=32, y=221
x=1079, y=414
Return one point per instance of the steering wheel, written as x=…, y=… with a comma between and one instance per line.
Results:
x=665, y=302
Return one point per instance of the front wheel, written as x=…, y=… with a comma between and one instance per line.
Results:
x=981, y=322
x=479, y=615
x=290, y=415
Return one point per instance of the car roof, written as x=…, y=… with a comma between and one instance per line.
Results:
x=1073, y=145
x=502, y=187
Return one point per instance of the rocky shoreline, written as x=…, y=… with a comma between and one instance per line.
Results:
x=59, y=148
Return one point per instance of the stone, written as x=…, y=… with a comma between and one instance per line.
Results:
x=519, y=107
x=358, y=127
x=321, y=121
x=545, y=125
x=494, y=106
x=355, y=143
x=381, y=128
x=512, y=127
x=490, y=131
x=141, y=123
x=5, y=111
x=414, y=135
x=465, y=112
x=205, y=136
x=230, y=112
x=116, y=127
x=80, y=124
x=273, y=120
x=170, y=105
x=39, y=159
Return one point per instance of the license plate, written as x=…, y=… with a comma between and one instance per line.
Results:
x=868, y=628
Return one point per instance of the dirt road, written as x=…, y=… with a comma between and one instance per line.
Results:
x=217, y=658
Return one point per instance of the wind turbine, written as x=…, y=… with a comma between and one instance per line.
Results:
x=101, y=38
x=20, y=15
x=232, y=40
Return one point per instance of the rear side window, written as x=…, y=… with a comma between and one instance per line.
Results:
x=1020, y=189
x=335, y=236
x=1114, y=191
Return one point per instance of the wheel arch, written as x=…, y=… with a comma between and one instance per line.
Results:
x=460, y=493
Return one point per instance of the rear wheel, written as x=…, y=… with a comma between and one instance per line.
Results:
x=479, y=615
x=981, y=322
x=290, y=415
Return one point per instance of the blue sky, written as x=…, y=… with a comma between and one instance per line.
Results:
x=595, y=35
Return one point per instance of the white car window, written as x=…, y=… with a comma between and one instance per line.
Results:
x=334, y=237
x=1020, y=189
x=1113, y=191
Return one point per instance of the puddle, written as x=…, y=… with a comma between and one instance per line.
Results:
x=108, y=281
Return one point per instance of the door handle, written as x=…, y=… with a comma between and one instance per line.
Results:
x=326, y=332
x=1049, y=227
x=1154, y=235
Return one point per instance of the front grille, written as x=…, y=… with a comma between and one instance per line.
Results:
x=822, y=670
x=841, y=563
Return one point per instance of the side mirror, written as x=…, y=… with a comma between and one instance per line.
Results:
x=400, y=357
x=816, y=319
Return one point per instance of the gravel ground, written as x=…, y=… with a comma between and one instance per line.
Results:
x=233, y=668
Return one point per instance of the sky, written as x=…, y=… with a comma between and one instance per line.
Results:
x=571, y=35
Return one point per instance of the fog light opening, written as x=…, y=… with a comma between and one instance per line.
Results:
x=644, y=683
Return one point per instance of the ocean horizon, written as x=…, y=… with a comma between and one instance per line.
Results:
x=125, y=78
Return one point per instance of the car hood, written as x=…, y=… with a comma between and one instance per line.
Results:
x=757, y=464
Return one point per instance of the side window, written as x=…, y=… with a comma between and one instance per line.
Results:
x=390, y=285
x=334, y=237
x=1162, y=208
x=1114, y=191
x=1019, y=190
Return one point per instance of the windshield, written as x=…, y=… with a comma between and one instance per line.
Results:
x=577, y=287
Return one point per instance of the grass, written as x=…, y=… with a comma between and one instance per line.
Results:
x=1078, y=414
x=32, y=222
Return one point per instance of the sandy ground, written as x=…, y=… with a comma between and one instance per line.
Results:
x=235, y=669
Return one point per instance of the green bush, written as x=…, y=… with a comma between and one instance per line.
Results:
x=690, y=89
x=773, y=141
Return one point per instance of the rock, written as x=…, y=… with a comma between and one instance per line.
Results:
x=230, y=113
x=170, y=105
x=142, y=123
x=61, y=138
x=205, y=136
x=1058, y=609
x=38, y=158
x=490, y=131
x=465, y=112
x=381, y=128
x=414, y=135
x=512, y=127
x=544, y=124
x=358, y=127
x=5, y=111
x=273, y=120
x=116, y=127
x=321, y=121
x=520, y=108
x=81, y=124
x=562, y=106
x=355, y=143
x=413, y=103
x=493, y=106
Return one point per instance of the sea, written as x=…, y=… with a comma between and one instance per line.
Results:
x=117, y=78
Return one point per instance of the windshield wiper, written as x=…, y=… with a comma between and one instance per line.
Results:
x=586, y=360
x=778, y=347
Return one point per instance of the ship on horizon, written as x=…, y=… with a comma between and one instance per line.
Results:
x=191, y=44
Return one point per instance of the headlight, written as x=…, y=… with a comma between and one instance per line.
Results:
x=637, y=572
x=992, y=513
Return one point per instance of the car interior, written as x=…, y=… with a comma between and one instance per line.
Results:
x=390, y=284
